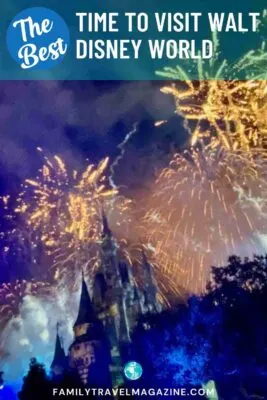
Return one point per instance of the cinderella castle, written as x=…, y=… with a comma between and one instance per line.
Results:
x=102, y=330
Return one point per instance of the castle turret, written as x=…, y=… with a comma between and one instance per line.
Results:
x=110, y=293
x=109, y=274
x=117, y=299
x=89, y=353
x=102, y=330
x=59, y=363
x=86, y=315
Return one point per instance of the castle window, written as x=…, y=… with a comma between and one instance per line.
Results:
x=81, y=329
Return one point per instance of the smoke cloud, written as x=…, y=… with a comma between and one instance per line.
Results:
x=33, y=332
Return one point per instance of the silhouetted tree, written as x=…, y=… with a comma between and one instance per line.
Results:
x=237, y=278
x=220, y=336
x=174, y=347
x=239, y=290
x=36, y=385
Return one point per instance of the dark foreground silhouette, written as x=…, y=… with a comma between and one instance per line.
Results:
x=220, y=336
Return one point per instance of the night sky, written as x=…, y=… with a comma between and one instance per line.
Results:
x=78, y=120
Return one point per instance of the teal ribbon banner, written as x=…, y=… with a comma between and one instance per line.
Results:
x=238, y=53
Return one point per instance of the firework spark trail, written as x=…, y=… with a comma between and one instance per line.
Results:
x=250, y=66
x=121, y=147
x=202, y=69
x=198, y=213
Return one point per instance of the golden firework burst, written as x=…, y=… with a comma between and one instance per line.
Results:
x=234, y=112
x=64, y=209
x=205, y=205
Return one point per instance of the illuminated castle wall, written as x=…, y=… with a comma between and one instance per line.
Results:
x=102, y=331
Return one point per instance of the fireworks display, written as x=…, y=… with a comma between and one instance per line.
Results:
x=64, y=210
x=202, y=209
x=234, y=112
x=250, y=66
x=207, y=204
x=210, y=201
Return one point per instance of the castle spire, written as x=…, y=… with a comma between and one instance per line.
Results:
x=89, y=353
x=59, y=361
x=106, y=229
x=86, y=312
